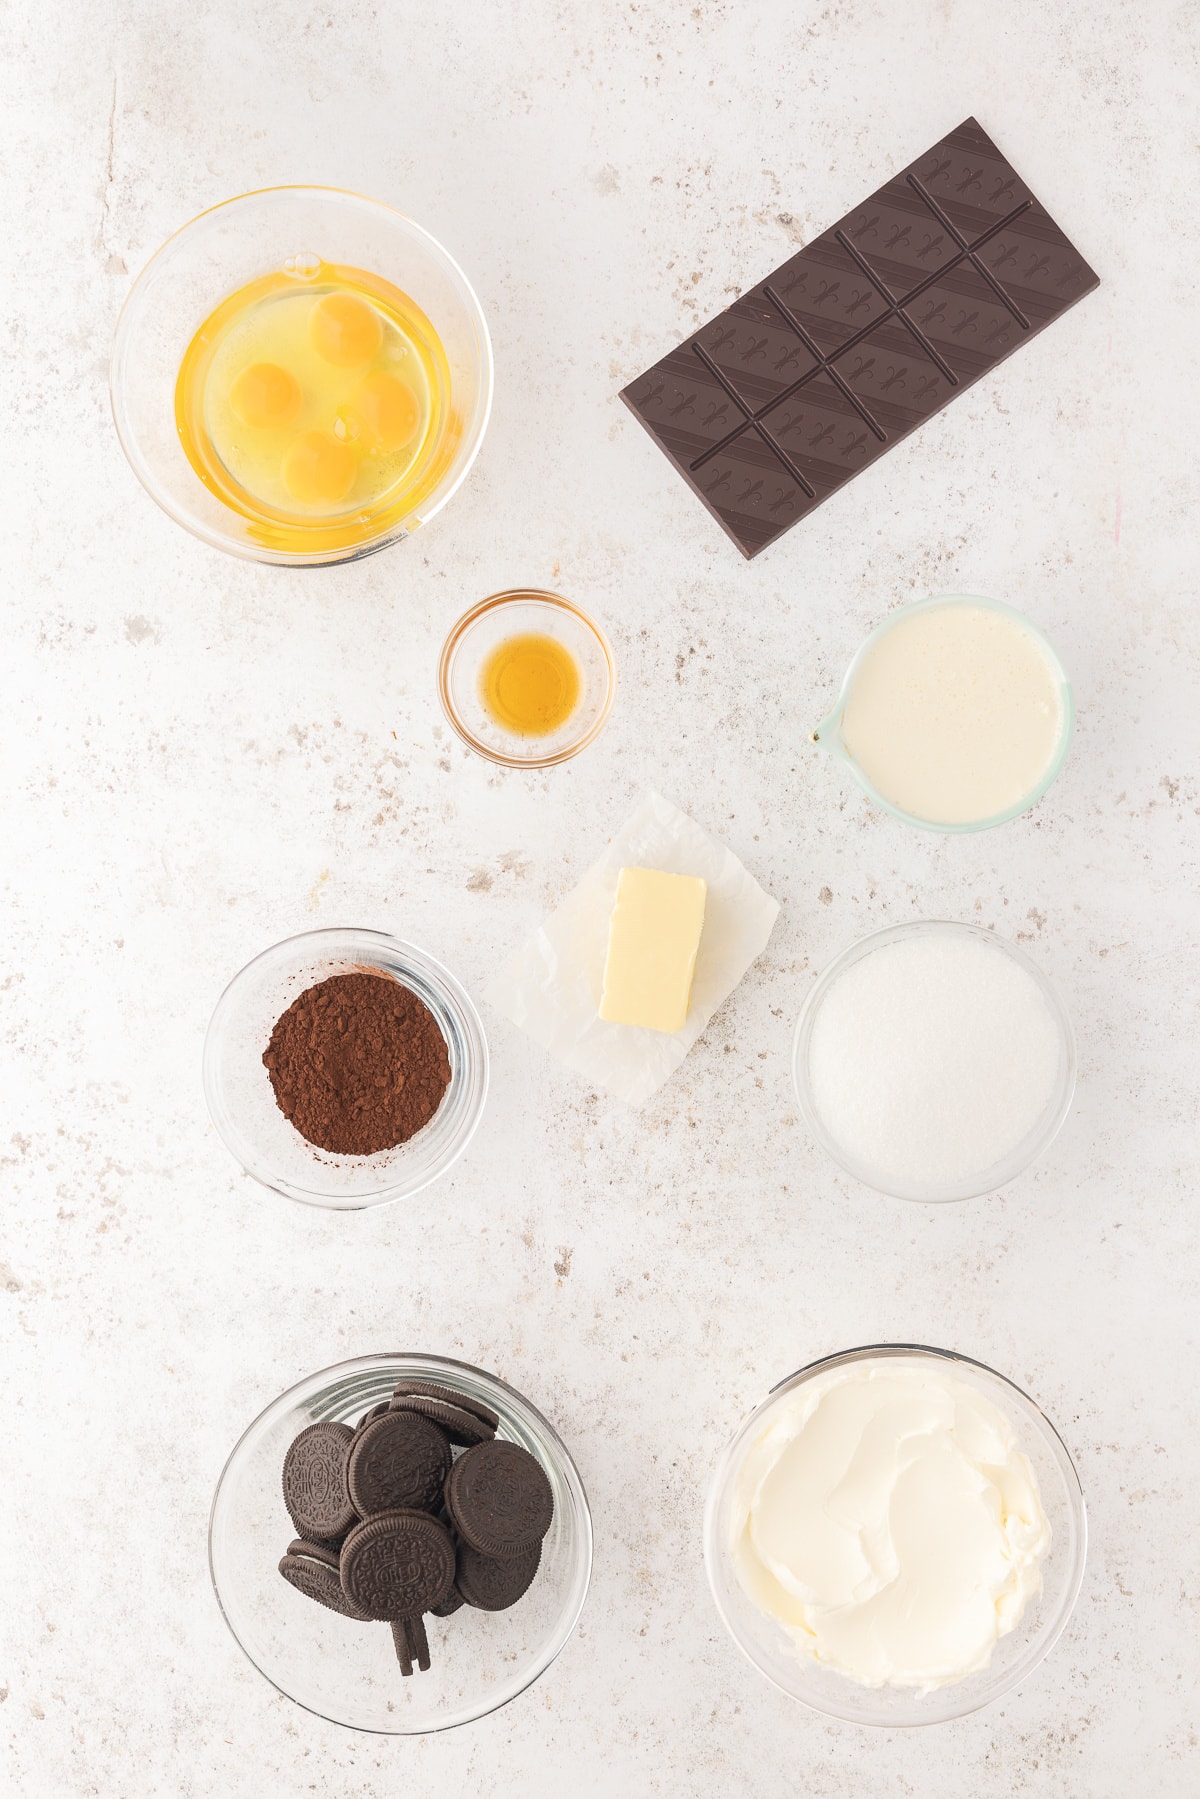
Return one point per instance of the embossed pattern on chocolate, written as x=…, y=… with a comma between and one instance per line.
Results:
x=397, y=1564
x=771, y=407
x=397, y=1461
x=314, y=1480
x=754, y=349
x=500, y=1499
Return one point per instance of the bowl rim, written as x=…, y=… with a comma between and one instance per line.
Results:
x=476, y=1071
x=234, y=547
x=828, y=733
x=1032, y=1147
x=497, y=602
x=888, y=1350
x=420, y=1361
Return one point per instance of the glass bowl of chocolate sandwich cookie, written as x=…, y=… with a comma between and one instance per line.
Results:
x=401, y=1543
x=345, y=1068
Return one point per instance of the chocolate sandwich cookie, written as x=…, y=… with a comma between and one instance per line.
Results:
x=397, y=1564
x=430, y=1389
x=327, y=1545
x=460, y=1426
x=316, y=1552
x=314, y=1481
x=412, y=1644
x=398, y=1462
x=493, y=1583
x=453, y=1602
x=376, y=1411
x=314, y=1577
x=499, y=1499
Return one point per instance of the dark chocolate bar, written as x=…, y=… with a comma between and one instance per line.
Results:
x=858, y=339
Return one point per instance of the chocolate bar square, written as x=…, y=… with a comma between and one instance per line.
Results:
x=901, y=238
x=750, y=490
x=856, y=340
x=970, y=182
x=756, y=349
x=823, y=434
x=964, y=320
x=686, y=405
x=826, y=290
x=1038, y=268
x=894, y=378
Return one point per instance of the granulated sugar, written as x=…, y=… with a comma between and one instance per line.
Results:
x=932, y=1058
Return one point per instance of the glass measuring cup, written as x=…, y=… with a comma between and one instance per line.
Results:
x=829, y=734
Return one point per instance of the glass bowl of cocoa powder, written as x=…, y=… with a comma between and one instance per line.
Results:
x=345, y=1068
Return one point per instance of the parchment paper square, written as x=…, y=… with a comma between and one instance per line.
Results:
x=551, y=986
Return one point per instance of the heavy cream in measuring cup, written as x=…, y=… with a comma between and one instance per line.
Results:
x=955, y=713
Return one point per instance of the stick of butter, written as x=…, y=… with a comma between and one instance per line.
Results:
x=653, y=936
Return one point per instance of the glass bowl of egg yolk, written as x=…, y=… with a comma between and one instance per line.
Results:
x=301, y=376
x=527, y=679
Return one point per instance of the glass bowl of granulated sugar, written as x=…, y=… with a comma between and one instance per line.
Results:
x=345, y=1068
x=934, y=1061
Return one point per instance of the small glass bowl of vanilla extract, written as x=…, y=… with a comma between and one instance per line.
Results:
x=527, y=679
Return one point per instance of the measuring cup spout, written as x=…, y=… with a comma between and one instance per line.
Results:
x=828, y=734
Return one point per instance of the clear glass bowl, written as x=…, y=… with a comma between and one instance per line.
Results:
x=234, y=243
x=242, y=1102
x=828, y=734
x=984, y=1180
x=483, y=629
x=345, y=1671
x=1015, y=1656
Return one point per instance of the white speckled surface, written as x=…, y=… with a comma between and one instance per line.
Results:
x=200, y=756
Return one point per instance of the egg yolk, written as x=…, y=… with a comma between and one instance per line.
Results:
x=318, y=469
x=264, y=395
x=384, y=413
x=345, y=330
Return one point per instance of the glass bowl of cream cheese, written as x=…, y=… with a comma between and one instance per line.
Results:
x=896, y=1535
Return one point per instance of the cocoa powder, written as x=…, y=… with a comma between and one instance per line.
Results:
x=358, y=1064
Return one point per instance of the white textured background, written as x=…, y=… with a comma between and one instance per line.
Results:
x=201, y=756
